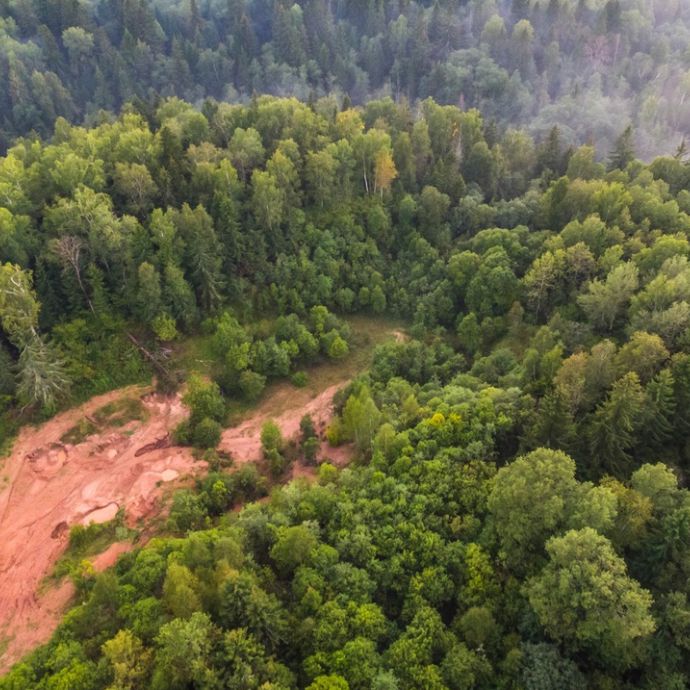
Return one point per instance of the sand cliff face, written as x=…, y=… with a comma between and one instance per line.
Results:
x=46, y=486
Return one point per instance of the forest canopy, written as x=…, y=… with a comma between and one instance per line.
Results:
x=516, y=516
x=589, y=66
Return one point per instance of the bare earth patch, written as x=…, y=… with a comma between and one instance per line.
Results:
x=48, y=484
x=52, y=485
x=286, y=407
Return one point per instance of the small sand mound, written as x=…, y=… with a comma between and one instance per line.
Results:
x=169, y=475
x=100, y=515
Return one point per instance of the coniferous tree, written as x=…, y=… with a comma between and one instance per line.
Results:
x=623, y=151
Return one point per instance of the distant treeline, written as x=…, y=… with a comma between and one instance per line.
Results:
x=591, y=66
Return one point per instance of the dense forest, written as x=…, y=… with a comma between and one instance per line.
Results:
x=515, y=517
x=589, y=66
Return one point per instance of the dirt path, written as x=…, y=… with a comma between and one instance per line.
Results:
x=286, y=406
x=46, y=486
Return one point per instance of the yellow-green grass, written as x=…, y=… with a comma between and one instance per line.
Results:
x=113, y=415
x=367, y=333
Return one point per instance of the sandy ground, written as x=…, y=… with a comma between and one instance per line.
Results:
x=285, y=407
x=47, y=486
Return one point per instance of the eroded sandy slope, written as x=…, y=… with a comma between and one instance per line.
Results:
x=48, y=485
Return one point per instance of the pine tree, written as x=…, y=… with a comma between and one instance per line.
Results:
x=659, y=412
x=623, y=151
x=554, y=426
x=42, y=377
x=614, y=426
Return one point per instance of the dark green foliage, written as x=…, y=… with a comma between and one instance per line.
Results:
x=309, y=439
x=545, y=669
x=501, y=525
x=206, y=433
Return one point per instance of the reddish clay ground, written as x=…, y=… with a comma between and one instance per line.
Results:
x=286, y=406
x=47, y=486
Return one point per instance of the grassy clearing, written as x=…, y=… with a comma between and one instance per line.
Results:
x=280, y=396
x=85, y=541
x=367, y=333
x=120, y=412
x=113, y=415
x=193, y=355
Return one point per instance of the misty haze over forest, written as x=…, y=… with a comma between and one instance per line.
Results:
x=589, y=66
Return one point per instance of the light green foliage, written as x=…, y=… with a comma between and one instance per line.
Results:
x=330, y=682
x=361, y=419
x=179, y=591
x=538, y=496
x=271, y=436
x=293, y=547
x=204, y=400
x=18, y=304
x=164, y=327
x=337, y=348
x=604, y=301
x=659, y=484
x=585, y=599
x=130, y=661
x=184, y=653
x=272, y=446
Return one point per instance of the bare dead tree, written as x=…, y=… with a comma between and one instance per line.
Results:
x=68, y=250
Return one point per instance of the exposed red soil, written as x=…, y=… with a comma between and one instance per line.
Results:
x=47, y=486
x=243, y=441
x=109, y=557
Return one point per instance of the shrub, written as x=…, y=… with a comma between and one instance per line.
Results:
x=299, y=379
x=277, y=463
x=335, y=434
x=204, y=400
x=271, y=436
x=182, y=433
x=310, y=447
x=248, y=483
x=306, y=426
x=252, y=384
x=206, y=433
x=327, y=473
x=187, y=512
x=164, y=327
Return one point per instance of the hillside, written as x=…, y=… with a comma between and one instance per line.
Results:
x=590, y=67
x=516, y=514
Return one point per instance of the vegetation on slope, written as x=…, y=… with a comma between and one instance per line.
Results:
x=517, y=517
